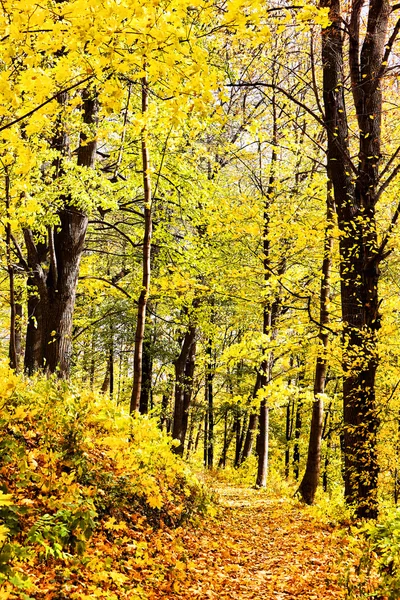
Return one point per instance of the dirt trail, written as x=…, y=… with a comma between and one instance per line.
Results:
x=261, y=549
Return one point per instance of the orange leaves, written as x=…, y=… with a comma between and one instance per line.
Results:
x=260, y=549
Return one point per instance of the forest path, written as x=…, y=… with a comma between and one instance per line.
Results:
x=260, y=548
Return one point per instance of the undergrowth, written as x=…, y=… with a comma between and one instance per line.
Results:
x=91, y=500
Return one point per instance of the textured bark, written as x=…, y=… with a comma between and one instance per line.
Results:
x=51, y=346
x=146, y=261
x=309, y=483
x=355, y=192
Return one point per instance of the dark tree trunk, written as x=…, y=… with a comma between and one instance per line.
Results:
x=57, y=288
x=147, y=374
x=182, y=399
x=144, y=294
x=164, y=407
x=92, y=369
x=33, y=357
x=106, y=381
x=210, y=398
x=18, y=332
x=111, y=367
x=296, y=448
x=12, y=347
x=249, y=440
x=238, y=436
x=188, y=388
x=228, y=437
x=263, y=445
x=205, y=448
x=356, y=193
x=198, y=435
x=289, y=432
x=309, y=483
x=252, y=427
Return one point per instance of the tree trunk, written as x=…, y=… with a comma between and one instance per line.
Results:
x=12, y=347
x=181, y=400
x=205, y=449
x=164, y=406
x=355, y=192
x=289, y=431
x=296, y=448
x=249, y=440
x=210, y=398
x=252, y=427
x=188, y=388
x=263, y=445
x=309, y=483
x=33, y=358
x=148, y=228
x=147, y=373
x=271, y=307
x=57, y=287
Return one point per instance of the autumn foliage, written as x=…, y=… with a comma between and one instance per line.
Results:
x=89, y=494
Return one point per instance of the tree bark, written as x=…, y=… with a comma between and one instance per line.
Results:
x=252, y=426
x=182, y=400
x=52, y=345
x=147, y=372
x=297, y=433
x=210, y=398
x=309, y=483
x=355, y=192
x=148, y=228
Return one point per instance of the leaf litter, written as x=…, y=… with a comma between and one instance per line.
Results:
x=259, y=548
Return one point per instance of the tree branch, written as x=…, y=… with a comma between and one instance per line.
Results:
x=54, y=97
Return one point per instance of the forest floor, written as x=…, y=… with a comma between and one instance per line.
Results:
x=258, y=548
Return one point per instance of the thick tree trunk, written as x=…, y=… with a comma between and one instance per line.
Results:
x=57, y=288
x=355, y=191
x=309, y=483
x=61, y=291
x=148, y=228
